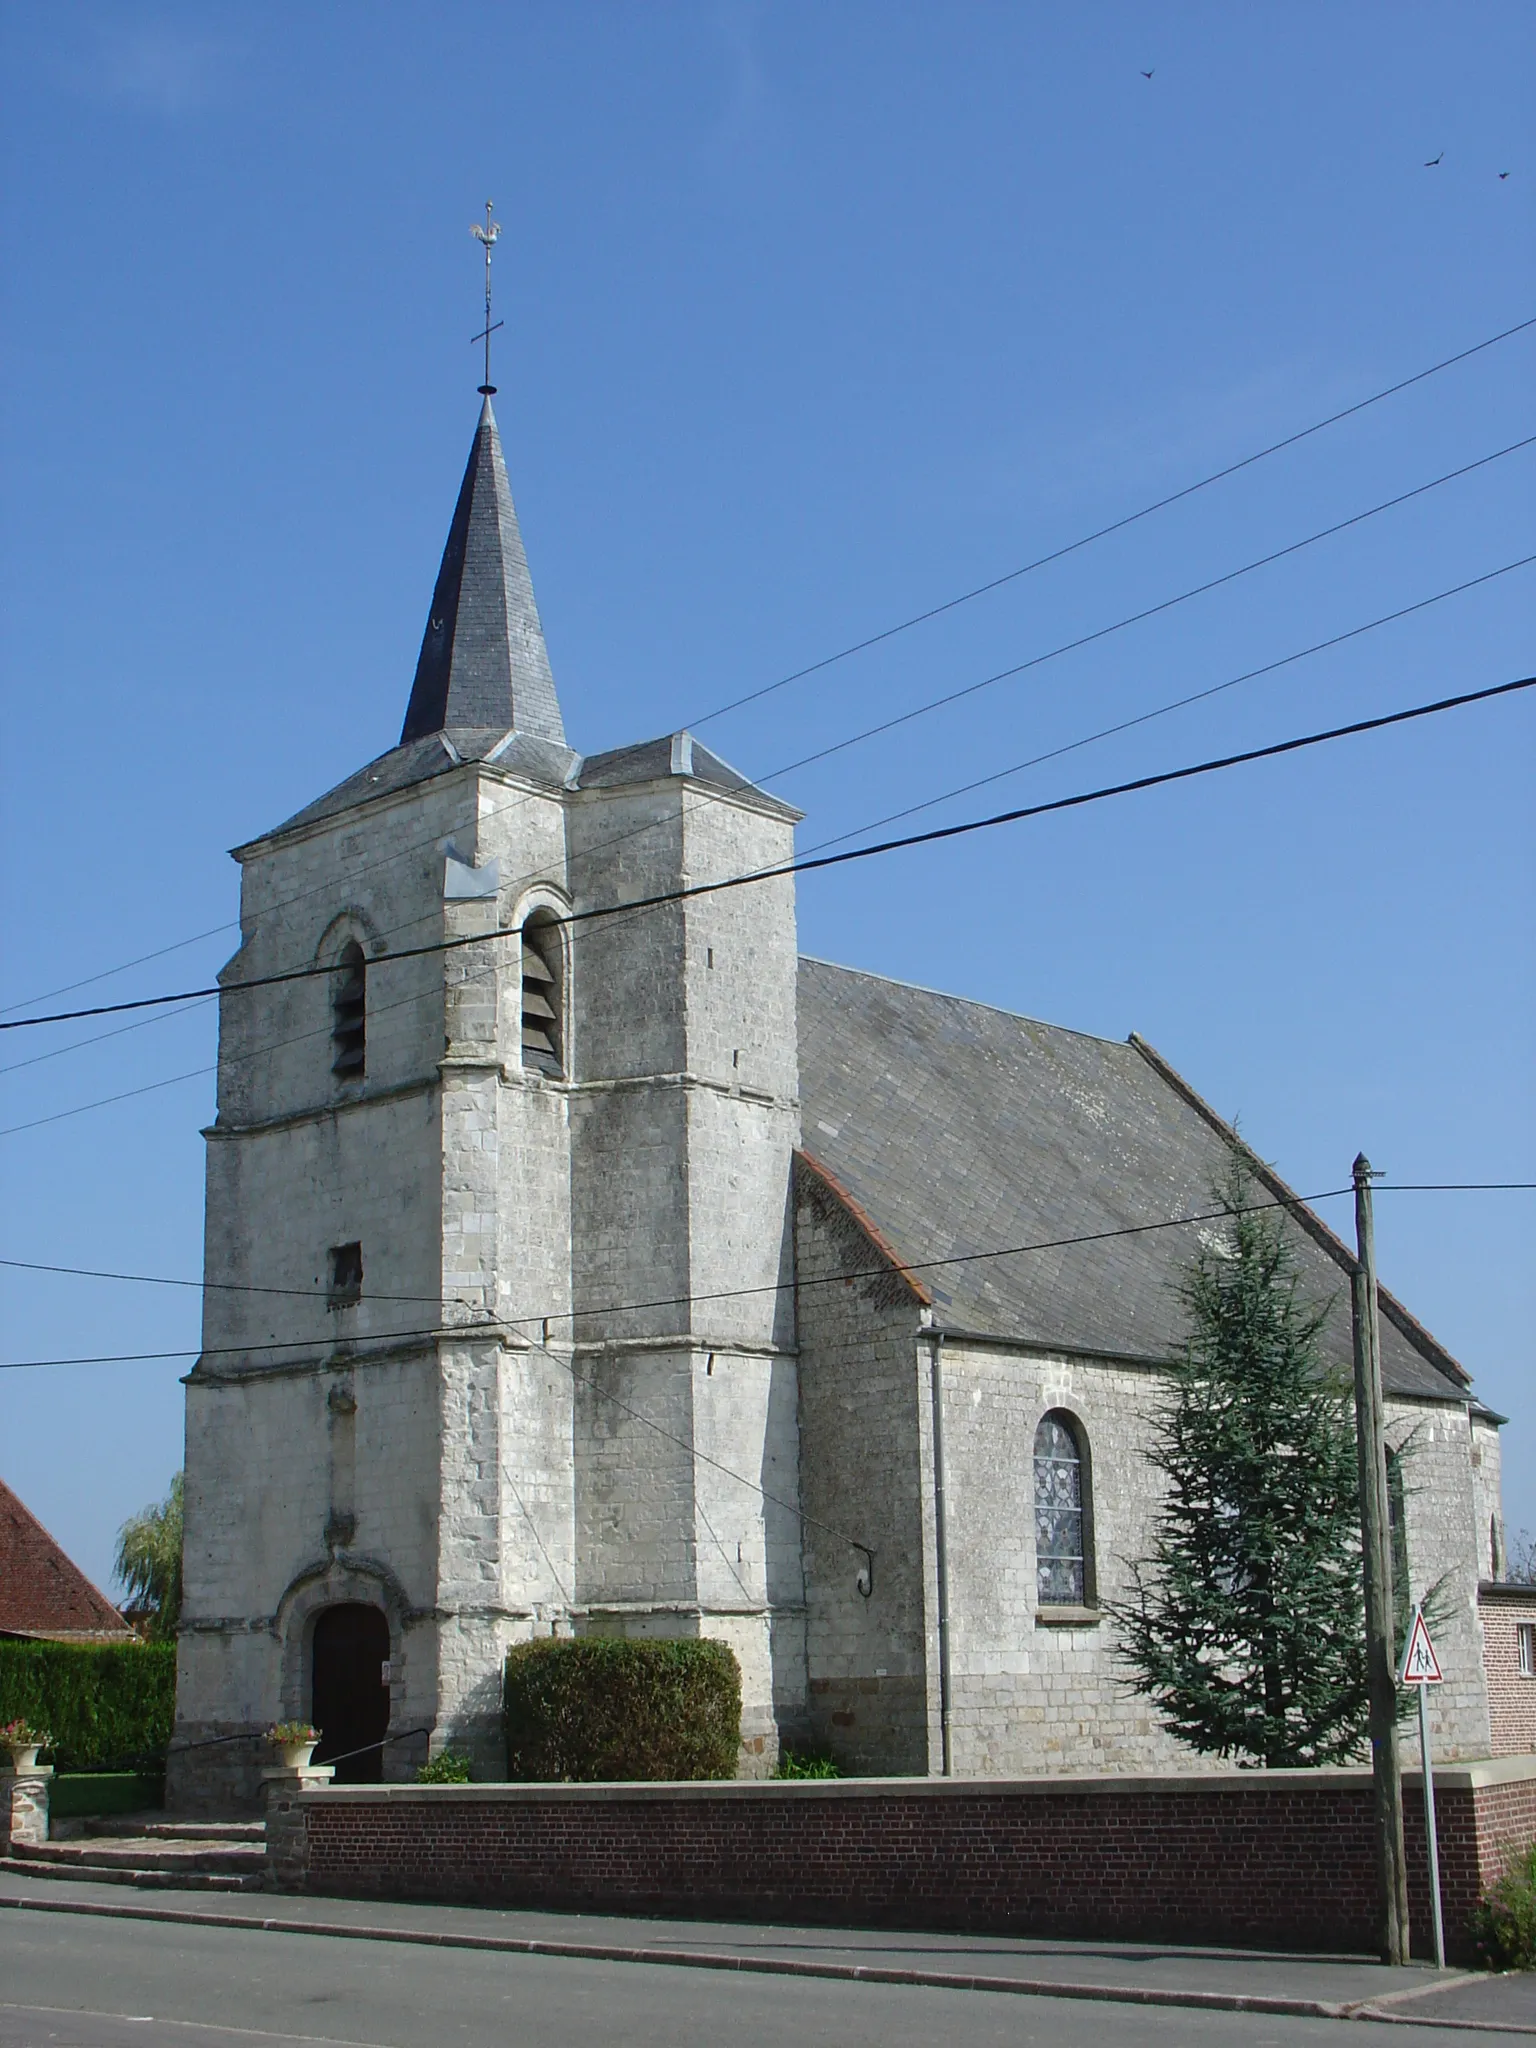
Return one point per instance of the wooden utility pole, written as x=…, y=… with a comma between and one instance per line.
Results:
x=1376, y=1548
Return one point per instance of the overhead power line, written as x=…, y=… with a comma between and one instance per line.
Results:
x=60, y=1052
x=946, y=796
x=491, y=1323
x=604, y=1392
x=1151, y=611
x=1437, y=1187
x=920, y=618
x=830, y=860
x=840, y=746
x=1107, y=732
x=1115, y=526
x=838, y=839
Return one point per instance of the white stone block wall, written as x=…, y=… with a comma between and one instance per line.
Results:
x=1488, y=1498
x=865, y=1478
x=747, y=1547
x=1031, y=1693
x=635, y=1535
x=1447, y=1501
x=304, y=1486
x=1028, y=1695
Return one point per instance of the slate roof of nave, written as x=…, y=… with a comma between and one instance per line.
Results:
x=958, y=1128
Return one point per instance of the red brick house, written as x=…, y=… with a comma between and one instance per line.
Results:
x=43, y=1594
x=1509, y=1657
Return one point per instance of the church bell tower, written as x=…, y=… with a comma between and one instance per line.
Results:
x=498, y=1329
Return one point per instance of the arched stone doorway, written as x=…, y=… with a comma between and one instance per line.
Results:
x=349, y=1699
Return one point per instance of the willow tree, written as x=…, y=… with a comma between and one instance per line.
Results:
x=1246, y=1625
x=149, y=1563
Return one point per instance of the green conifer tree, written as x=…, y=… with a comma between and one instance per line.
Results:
x=1247, y=1624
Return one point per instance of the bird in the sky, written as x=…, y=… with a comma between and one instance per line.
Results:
x=1433, y=161
x=1503, y=174
x=1147, y=74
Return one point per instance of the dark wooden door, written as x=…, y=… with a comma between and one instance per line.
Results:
x=350, y=1699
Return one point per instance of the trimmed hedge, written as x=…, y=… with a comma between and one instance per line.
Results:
x=602, y=1708
x=107, y=1707
x=95, y=1792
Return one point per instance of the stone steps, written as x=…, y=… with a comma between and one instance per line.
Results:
x=138, y=1826
x=148, y=1880
x=185, y=1856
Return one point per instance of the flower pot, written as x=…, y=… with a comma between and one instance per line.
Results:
x=24, y=1755
x=296, y=1755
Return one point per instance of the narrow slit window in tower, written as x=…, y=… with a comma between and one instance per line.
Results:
x=346, y=1286
x=541, y=997
x=349, y=1014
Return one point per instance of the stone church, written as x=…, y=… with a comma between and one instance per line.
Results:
x=574, y=1268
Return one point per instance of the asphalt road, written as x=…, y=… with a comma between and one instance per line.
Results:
x=79, y=1982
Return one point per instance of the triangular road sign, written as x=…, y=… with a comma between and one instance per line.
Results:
x=1420, y=1665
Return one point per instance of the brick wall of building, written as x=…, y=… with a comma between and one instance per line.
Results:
x=1281, y=1859
x=1505, y=1610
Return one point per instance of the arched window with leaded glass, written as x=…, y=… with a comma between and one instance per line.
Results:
x=1063, y=1513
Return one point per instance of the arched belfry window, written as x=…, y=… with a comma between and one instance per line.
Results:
x=543, y=1045
x=349, y=1014
x=1063, y=1541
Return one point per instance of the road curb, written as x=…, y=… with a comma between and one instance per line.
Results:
x=767, y=1966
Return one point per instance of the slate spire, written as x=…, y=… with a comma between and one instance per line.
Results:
x=483, y=662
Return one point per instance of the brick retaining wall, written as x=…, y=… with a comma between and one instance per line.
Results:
x=1279, y=1859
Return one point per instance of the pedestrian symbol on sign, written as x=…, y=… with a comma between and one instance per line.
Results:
x=1420, y=1665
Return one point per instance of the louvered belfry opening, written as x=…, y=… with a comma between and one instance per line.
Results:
x=541, y=996
x=349, y=1014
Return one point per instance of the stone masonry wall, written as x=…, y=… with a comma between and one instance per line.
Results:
x=683, y=1122
x=1447, y=1534
x=304, y=1486
x=864, y=1476
x=1041, y=1689
x=353, y=1464
x=748, y=1567
x=1487, y=1496
x=1036, y=1688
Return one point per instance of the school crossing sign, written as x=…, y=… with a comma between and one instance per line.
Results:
x=1420, y=1665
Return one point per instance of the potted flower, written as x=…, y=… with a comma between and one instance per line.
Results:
x=296, y=1740
x=23, y=1741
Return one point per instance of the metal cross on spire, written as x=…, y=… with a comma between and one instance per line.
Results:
x=487, y=235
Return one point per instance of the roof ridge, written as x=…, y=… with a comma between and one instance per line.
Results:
x=1423, y=1341
x=970, y=1002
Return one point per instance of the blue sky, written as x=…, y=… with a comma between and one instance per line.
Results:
x=815, y=315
